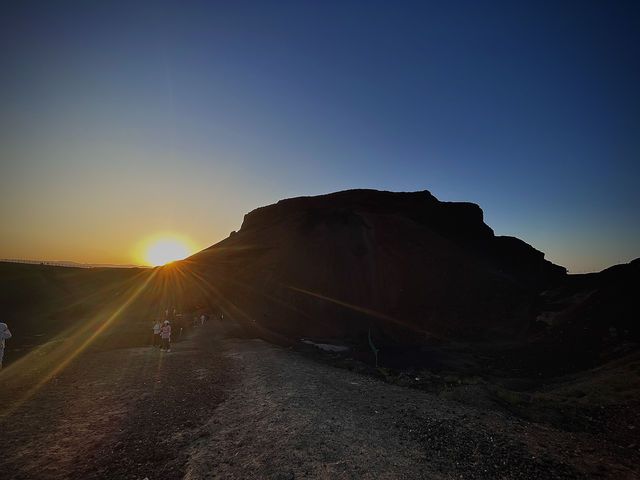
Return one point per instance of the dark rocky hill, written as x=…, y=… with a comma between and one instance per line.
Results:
x=590, y=318
x=405, y=265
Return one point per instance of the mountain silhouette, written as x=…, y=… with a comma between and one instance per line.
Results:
x=406, y=265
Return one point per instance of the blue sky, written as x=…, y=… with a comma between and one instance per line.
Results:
x=123, y=119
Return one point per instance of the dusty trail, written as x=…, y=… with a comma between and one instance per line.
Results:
x=290, y=417
x=227, y=408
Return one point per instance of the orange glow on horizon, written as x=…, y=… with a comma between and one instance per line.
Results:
x=165, y=248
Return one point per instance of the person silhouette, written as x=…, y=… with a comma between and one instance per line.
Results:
x=165, y=333
x=4, y=334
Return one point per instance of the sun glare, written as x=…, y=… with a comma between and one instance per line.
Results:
x=166, y=250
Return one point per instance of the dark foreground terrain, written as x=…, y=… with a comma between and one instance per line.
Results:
x=223, y=407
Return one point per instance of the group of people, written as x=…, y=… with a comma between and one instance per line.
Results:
x=202, y=319
x=162, y=328
x=162, y=335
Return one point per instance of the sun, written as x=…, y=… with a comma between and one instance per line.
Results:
x=166, y=250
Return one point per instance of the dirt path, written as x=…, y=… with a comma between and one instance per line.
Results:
x=228, y=408
x=291, y=417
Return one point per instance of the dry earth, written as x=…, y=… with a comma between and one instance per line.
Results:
x=218, y=407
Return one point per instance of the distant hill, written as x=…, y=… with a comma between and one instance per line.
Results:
x=42, y=303
x=65, y=263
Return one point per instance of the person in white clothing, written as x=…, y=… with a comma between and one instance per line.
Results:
x=4, y=334
x=156, y=333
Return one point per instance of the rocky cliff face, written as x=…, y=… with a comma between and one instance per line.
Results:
x=404, y=264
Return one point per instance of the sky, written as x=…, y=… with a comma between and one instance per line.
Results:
x=125, y=121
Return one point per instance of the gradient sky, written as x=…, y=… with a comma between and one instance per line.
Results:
x=121, y=120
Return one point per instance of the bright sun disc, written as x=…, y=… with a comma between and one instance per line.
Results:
x=165, y=251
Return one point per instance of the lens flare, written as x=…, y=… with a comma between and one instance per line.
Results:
x=166, y=250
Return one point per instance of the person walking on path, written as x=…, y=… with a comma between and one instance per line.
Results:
x=165, y=333
x=156, y=333
x=4, y=334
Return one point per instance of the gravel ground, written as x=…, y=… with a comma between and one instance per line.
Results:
x=227, y=408
x=291, y=417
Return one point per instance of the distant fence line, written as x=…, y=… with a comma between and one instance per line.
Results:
x=44, y=262
x=68, y=264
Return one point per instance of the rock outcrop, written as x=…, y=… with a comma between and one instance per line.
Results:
x=403, y=264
